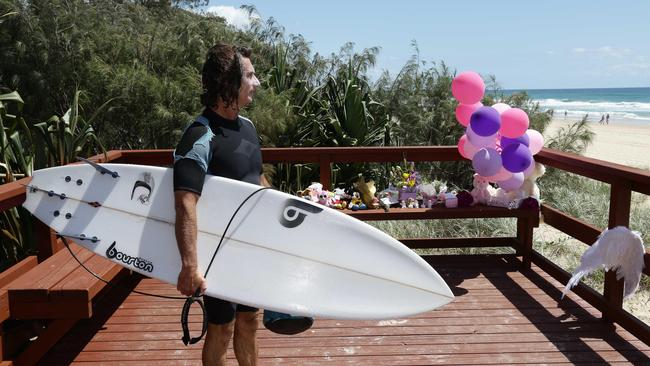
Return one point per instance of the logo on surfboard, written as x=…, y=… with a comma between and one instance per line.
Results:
x=144, y=185
x=295, y=211
x=136, y=262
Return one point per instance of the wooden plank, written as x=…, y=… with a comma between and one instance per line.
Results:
x=439, y=212
x=35, y=285
x=44, y=342
x=484, y=242
x=603, y=171
x=9, y=275
x=13, y=194
x=17, y=270
x=569, y=225
x=400, y=355
x=82, y=284
x=73, y=309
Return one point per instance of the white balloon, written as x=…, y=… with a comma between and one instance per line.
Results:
x=501, y=107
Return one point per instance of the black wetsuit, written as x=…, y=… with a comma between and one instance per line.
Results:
x=226, y=148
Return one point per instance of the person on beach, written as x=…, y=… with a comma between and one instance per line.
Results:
x=223, y=143
x=602, y=119
x=565, y=113
x=607, y=118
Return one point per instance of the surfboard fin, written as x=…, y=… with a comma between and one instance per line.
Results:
x=81, y=237
x=49, y=193
x=98, y=167
x=60, y=195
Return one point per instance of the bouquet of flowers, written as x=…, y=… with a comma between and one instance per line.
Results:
x=406, y=179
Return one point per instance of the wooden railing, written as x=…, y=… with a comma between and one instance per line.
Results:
x=623, y=181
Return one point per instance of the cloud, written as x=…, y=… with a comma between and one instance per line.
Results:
x=550, y=52
x=238, y=18
x=613, y=52
x=606, y=51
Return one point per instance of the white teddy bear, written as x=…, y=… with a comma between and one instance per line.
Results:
x=482, y=191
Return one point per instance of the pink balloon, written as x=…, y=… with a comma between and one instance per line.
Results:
x=501, y=107
x=468, y=87
x=464, y=112
x=514, y=123
x=503, y=174
x=480, y=141
x=513, y=182
x=536, y=141
x=466, y=149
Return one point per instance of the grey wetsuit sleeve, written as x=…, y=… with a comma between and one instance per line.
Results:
x=191, y=158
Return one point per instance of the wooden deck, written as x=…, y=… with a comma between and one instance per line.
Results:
x=500, y=316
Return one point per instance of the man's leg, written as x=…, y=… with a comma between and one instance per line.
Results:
x=245, y=341
x=216, y=343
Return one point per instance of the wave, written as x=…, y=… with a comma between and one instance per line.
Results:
x=626, y=110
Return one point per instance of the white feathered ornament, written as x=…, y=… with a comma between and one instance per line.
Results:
x=618, y=249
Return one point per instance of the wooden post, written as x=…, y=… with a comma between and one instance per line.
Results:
x=325, y=171
x=619, y=215
x=46, y=240
x=525, y=238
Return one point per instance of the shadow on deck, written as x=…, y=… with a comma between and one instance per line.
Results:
x=501, y=315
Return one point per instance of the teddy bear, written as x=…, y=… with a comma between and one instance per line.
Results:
x=482, y=190
x=529, y=188
x=428, y=193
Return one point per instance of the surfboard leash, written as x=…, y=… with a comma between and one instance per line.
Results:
x=197, y=294
x=65, y=242
x=189, y=300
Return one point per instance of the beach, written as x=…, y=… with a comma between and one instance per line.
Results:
x=616, y=142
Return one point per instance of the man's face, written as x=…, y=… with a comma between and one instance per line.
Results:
x=249, y=83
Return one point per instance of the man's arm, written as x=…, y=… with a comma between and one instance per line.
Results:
x=264, y=182
x=189, y=279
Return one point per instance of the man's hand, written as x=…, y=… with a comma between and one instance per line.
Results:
x=189, y=280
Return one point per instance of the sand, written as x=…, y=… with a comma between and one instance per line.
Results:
x=626, y=144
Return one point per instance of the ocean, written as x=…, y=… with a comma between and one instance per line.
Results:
x=624, y=105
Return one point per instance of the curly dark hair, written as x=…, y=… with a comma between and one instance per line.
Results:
x=222, y=74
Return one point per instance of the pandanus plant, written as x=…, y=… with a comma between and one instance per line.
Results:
x=63, y=138
x=16, y=162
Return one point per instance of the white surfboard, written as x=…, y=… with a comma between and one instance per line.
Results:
x=280, y=253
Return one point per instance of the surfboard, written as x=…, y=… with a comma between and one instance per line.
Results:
x=281, y=252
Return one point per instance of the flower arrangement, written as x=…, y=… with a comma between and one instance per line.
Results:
x=406, y=179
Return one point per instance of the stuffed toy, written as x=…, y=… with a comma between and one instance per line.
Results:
x=428, y=193
x=367, y=190
x=482, y=191
x=324, y=198
x=412, y=203
x=529, y=188
x=442, y=192
x=356, y=203
x=618, y=249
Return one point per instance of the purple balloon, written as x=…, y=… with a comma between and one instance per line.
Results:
x=480, y=141
x=516, y=158
x=513, y=182
x=487, y=162
x=507, y=141
x=485, y=121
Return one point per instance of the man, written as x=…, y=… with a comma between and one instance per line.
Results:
x=219, y=142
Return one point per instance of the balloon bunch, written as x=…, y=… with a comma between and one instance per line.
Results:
x=497, y=139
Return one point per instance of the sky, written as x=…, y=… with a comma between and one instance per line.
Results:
x=525, y=44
